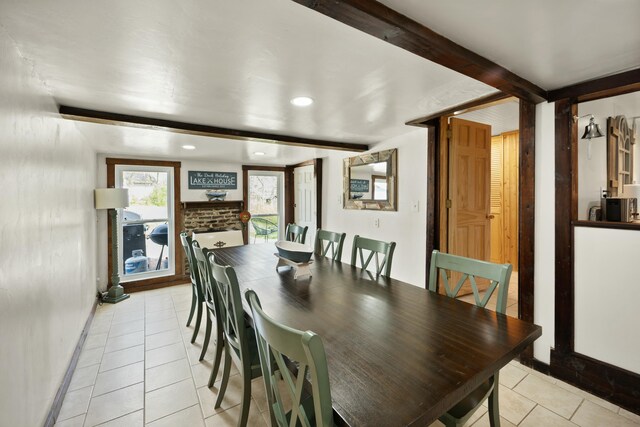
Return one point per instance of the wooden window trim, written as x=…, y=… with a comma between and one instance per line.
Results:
x=157, y=282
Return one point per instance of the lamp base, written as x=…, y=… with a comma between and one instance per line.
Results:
x=115, y=295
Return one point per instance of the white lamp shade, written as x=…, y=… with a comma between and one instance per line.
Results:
x=111, y=198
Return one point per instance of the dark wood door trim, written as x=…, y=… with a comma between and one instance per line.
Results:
x=526, y=226
x=156, y=282
x=526, y=217
x=566, y=211
x=433, y=202
x=127, y=120
x=382, y=22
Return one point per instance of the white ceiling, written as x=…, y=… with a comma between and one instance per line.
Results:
x=503, y=117
x=552, y=43
x=237, y=64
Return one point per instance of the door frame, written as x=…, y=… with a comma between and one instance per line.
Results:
x=290, y=191
x=157, y=282
x=245, y=191
x=436, y=166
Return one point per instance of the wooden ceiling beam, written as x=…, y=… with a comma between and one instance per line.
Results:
x=604, y=87
x=382, y=22
x=116, y=119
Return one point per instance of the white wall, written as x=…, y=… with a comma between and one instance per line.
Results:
x=47, y=230
x=592, y=172
x=606, y=275
x=406, y=228
x=544, y=252
x=606, y=296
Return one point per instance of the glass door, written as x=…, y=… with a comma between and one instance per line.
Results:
x=146, y=246
x=266, y=205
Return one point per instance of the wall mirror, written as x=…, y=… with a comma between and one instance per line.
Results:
x=370, y=181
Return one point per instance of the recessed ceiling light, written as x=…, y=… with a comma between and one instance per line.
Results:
x=189, y=147
x=259, y=153
x=302, y=101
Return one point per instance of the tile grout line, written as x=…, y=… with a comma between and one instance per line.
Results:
x=551, y=410
x=96, y=379
x=193, y=380
x=528, y=413
x=144, y=366
x=577, y=408
x=522, y=379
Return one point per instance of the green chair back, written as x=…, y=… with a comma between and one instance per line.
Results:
x=239, y=341
x=197, y=294
x=498, y=276
x=305, y=349
x=375, y=248
x=231, y=311
x=470, y=269
x=202, y=257
x=188, y=251
x=206, y=278
x=296, y=233
x=326, y=240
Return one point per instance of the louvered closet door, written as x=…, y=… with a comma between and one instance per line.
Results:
x=497, y=199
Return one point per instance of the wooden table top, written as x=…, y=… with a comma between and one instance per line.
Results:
x=397, y=354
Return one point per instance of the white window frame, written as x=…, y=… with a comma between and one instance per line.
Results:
x=280, y=195
x=171, y=271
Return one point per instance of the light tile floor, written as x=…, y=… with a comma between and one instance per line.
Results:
x=139, y=368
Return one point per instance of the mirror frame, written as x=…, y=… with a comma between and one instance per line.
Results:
x=391, y=204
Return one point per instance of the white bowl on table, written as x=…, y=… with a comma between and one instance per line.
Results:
x=293, y=251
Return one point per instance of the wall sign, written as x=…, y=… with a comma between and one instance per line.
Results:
x=359, y=185
x=201, y=180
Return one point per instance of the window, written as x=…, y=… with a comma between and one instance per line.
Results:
x=146, y=246
x=150, y=225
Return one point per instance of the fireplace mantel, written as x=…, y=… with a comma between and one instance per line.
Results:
x=213, y=204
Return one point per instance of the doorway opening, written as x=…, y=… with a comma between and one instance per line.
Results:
x=265, y=195
x=479, y=197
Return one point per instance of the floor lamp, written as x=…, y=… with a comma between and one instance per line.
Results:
x=113, y=199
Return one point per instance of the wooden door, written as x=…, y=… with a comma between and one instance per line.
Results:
x=304, y=185
x=497, y=200
x=511, y=150
x=504, y=198
x=469, y=190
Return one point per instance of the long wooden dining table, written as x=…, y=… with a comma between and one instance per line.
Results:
x=397, y=353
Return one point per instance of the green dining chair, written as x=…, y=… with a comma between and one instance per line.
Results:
x=296, y=233
x=202, y=257
x=329, y=239
x=239, y=339
x=498, y=276
x=197, y=296
x=375, y=248
x=277, y=342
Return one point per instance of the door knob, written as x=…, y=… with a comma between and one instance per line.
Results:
x=490, y=216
